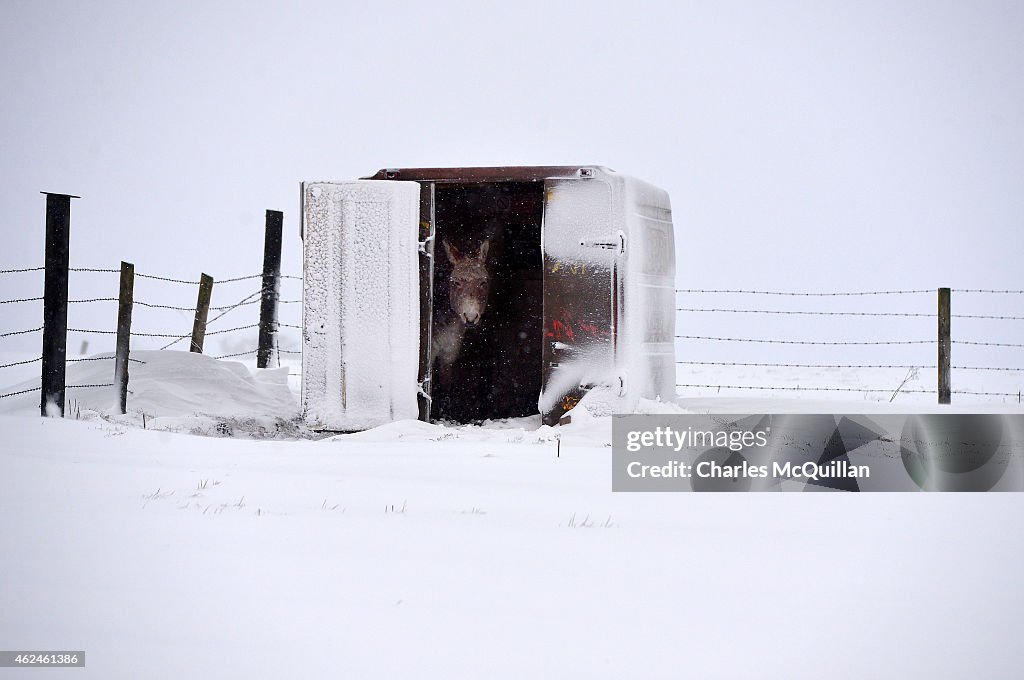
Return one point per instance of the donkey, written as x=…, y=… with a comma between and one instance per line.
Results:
x=468, y=289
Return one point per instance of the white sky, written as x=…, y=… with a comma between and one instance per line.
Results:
x=806, y=145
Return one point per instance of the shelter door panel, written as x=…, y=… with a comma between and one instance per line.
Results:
x=361, y=303
x=580, y=249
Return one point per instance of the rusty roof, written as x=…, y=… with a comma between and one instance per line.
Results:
x=524, y=173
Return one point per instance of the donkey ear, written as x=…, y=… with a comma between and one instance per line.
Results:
x=482, y=256
x=452, y=252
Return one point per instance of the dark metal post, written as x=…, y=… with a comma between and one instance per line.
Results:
x=202, y=310
x=55, y=303
x=271, y=286
x=944, y=346
x=124, y=334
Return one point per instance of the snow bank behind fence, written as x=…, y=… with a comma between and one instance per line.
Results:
x=174, y=390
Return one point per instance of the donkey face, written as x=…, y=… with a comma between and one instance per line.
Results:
x=470, y=283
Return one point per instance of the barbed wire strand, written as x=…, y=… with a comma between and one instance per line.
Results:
x=233, y=279
x=21, y=363
x=845, y=293
x=137, y=361
x=230, y=307
x=141, y=303
x=738, y=363
x=803, y=389
x=231, y=330
x=134, y=333
x=900, y=366
x=253, y=351
x=241, y=278
x=191, y=309
x=236, y=354
x=246, y=301
x=66, y=387
x=842, y=389
x=987, y=316
x=158, y=306
x=227, y=308
x=984, y=290
x=802, y=294
x=167, y=279
x=157, y=277
x=985, y=368
x=29, y=330
x=783, y=311
x=810, y=342
x=234, y=306
x=986, y=344
x=18, y=271
x=12, y=394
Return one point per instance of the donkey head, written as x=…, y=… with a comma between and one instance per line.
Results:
x=469, y=284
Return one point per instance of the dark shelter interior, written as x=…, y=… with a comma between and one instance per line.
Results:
x=497, y=371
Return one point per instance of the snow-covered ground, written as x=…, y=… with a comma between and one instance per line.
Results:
x=416, y=550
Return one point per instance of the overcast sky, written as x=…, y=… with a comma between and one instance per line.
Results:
x=805, y=145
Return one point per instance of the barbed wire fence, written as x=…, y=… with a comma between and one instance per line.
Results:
x=252, y=298
x=211, y=329
x=694, y=344
x=246, y=301
x=693, y=347
x=57, y=303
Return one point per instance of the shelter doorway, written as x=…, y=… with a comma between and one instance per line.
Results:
x=497, y=370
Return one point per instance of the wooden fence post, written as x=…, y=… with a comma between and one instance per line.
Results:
x=269, y=295
x=124, y=334
x=55, y=304
x=202, y=311
x=944, y=346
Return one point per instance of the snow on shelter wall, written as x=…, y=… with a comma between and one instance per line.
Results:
x=360, y=310
x=646, y=335
x=609, y=261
